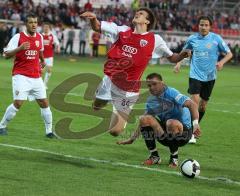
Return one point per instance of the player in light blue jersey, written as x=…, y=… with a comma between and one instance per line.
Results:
x=206, y=48
x=167, y=119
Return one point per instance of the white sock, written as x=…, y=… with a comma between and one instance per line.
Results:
x=47, y=117
x=46, y=78
x=9, y=115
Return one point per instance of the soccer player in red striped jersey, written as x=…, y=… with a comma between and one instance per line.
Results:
x=27, y=48
x=126, y=61
x=49, y=40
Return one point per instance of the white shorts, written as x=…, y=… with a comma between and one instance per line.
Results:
x=49, y=61
x=121, y=100
x=24, y=87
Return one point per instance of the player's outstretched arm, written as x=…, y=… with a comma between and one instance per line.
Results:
x=42, y=61
x=176, y=57
x=177, y=67
x=95, y=23
x=131, y=139
x=12, y=53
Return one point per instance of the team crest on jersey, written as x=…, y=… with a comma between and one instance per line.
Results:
x=37, y=43
x=209, y=45
x=143, y=42
x=16, y=93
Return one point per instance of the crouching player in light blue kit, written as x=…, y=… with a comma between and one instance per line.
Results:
x=167, y=119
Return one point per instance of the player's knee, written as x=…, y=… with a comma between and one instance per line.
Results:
x=116, y=132
x=173, y=126
x=96, y=107
x=43, y=103
x=17, y=104
x=145, y=120
x=49, y=70
x=202, y=107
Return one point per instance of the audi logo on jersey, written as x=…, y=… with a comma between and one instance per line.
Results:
x=31, y=52
x=129, y=49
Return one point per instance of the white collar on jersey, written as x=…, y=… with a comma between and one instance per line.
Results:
x=49, y=33
x=140, y=33
x=29, y=35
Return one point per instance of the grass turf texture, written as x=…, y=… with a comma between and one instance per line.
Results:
x=35, y=173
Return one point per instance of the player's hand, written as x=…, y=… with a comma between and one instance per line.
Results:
x=43, y=64
x=196, y=131
x=88, y=15
x=58, y=50
x=186, y=53
x=124, y=142
x=219, y=65
x=176, y=68
x=25, y=46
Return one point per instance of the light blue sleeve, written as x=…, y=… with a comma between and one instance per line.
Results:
x=223, y=47
x=188, y=44
x=177, y=96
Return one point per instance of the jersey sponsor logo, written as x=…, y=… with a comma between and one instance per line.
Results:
x=143, y=42
x=129, y=49
x=31, y=54
x=37, y=43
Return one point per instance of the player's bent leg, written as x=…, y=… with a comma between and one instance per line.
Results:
x=99, y=104
x=47, y=75
x=202, y=108
x=150, y=130
x=174, y=126
x=148, y=120
x=173, y=160
x=195, y=98
x=10, y=113
x=43, y=103
x=46, y=114
x=118, y=123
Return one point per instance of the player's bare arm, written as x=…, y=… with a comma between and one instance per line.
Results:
x=95, y=23
x=130, y=140
x=176, y=57
x=41, y=57
x=11, y=53
x=226, y=58
x=195, y=116
x=177, y=67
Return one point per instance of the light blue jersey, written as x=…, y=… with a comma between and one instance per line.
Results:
x=169, y=105
x=205, y=52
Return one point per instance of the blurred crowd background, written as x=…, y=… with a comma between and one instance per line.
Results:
x=176, y=19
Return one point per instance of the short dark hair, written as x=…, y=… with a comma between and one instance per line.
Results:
x=205, y=18
x=154, y=75
x=151, y=17
x=46, y=23
x=30, y=15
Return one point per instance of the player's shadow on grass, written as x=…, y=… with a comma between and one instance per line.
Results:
x=73, y=162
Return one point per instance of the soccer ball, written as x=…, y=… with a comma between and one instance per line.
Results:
x=190, y=168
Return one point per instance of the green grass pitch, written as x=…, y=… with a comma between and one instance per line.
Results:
x=96, y=166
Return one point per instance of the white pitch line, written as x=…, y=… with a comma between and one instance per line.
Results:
x=217, y=179
x=224, y=111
